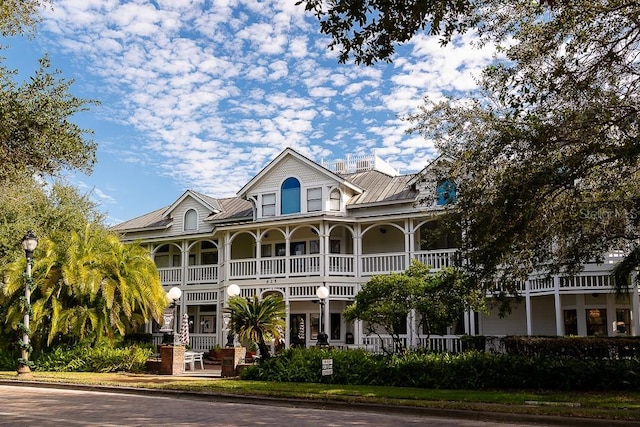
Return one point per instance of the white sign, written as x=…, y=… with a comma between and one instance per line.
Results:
x=327, y=367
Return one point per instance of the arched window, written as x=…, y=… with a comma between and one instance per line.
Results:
x=446, y=192
x=191, y=220
x=290, y=196
x=334, y=200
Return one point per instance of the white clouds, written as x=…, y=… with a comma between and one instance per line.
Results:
x=219, y=87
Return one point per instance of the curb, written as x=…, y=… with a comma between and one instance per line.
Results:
x=461, y=414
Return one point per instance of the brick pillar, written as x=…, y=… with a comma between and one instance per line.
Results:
x=231, y=357
x=172, y=360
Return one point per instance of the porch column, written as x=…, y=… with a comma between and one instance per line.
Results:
x=581, y=313
x=357, y=250
x=287, y=321
x=327, y=317
x=467, y=326
x=556, y=296
x=184, y=262
x=287, y=249
x=610, y=300
x=635, y=306
x=324, y=249
x=527, y=305
x=227, y=258
x=407, y=243
x=414, y=337
x=472, y=322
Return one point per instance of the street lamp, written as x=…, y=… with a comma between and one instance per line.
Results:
x=174, y=295
x=233, y=290
x=322, y=292
x=29, y=244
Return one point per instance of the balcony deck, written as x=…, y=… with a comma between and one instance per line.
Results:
x=337, y=265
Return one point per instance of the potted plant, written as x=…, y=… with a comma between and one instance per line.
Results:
x=216, y=352
x=252, y=350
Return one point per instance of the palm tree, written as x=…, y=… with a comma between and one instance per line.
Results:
x=88, y=284
x=253, y=319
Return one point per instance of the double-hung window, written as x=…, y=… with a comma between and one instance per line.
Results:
x=314, y=199
x=269, y=204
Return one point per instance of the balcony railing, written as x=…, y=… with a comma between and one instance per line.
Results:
x=305, y=265
x=383, y=263
x=437, y=260
x=202, y=274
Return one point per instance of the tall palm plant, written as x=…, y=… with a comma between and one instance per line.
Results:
x=254, y=319
x=89, y=284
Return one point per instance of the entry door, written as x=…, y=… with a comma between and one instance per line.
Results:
x=298, y=330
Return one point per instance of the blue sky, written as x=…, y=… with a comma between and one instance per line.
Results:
x=202, y=94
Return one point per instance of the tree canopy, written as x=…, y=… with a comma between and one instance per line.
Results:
x=545, y=154
x=368, y=30
x=36, y=134
x=387, y=303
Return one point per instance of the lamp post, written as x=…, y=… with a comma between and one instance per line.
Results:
x=233, y=290
x=174, y=295
x=322, y=292
x=29, y=244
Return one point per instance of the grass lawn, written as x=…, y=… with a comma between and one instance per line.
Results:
x=613, y=405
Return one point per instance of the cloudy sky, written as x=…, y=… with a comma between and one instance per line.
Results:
x=201, y=94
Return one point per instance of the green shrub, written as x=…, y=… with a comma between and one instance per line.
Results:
x=471, y=370
x=101, y=358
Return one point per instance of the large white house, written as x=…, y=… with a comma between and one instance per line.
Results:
x=299, y=225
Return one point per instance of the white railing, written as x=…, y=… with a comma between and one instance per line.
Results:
x=442, y=343
x=437, y=259
x=304, y=265
x=341, y=265
x=197, y=342
x=202, y=342
x=375, y=344
x=170, y=275
x=587, y=282
x=273, y=267
x=383, y=263
x=202, y=273
x=242, y=268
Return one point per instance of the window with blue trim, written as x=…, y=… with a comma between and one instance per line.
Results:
x=290, y=196
x=446, y=192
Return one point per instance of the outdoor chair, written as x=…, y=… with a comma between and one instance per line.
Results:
x=189, y=360
x=198, y=357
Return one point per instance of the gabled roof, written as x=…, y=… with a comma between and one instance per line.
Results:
x=381, y=188
x=233, y=209
x=430, y=167
x=208, y=202
x=152, y=221
x=292, y=153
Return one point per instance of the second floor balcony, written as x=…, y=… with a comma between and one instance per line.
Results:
x=344, y=265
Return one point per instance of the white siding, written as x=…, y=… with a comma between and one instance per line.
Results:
x=178, y=216
x=290, y=167
x=513, y=324
x=544, y=315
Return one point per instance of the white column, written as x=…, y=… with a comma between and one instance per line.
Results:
x=467, y=325
x=527, y=305
x=357, y=250
x=472, y=322
x=327, y=317
x=581, y=313
x=611, y=314
x=558, y=307
x=287, y=322
x=407, y=243
x=635, y=306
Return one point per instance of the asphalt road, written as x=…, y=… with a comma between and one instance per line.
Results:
x=33, y=406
